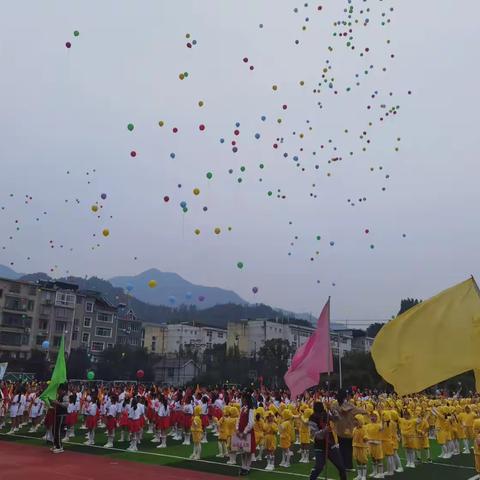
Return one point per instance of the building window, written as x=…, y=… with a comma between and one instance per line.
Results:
x=170, y=372
x=65, y=299
x=89, y=307
x=79, y=300
x=104, y=317
x=14, y=288
x=62, y=312
x=74, y=336
x=11, y=339
x=103, y=332
x=87, y=322
x=220, y=334
x=135, y=327
x=40, y=339
x=85, y=337
x=97, y=346
x=109, y=345
x=56, y=341
x=154, y=346
x=43, y=325
x=60, y=327
x=14, y=303
x=32, y=291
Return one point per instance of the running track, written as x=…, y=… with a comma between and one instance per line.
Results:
x=38, y=463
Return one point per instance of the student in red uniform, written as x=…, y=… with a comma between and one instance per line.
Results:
x=111, y=412
x=134, y=414
x=245, y=430
x=123, y=422
x=163, y=421
x=91, y=422
x=204, y=416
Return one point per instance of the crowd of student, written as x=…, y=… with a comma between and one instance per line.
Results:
x=253, y=425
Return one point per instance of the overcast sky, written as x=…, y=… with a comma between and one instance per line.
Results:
x=63, y=123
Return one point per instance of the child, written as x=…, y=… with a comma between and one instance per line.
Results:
x=197, y=433
x=91, y=422
x=14, y=408
x=122, y=411
x=70, y=418
x=205, y=420
x=423, y=442
x=285, y=430
x=163, y=421
x=360, y=447
x=396, y=458
x=111, y=411
x=466, y=418
x=408, y=430
x=134, y=414
x=187, y=417
x=476, y=445
x=270, y=439
x=388, y=434
x=232, y=427
x=442, y=425
x=373, y=433
x=222, y=429
x=304, y=436
x=36, y=408
x=258, y=428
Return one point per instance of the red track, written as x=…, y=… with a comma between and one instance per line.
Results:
x=18, y=462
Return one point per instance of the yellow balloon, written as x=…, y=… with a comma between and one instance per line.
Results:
x=201, y=103
x=152, y=283
x=196, y=191
x=94, y=208
x=217, y=230
x=106, y=232
x=197, y=231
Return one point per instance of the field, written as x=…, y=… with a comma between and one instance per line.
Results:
x=176, y=456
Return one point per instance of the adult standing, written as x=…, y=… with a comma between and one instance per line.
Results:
x=60, y=408
x=245, y=430
x=344, y=418
x=326, y=445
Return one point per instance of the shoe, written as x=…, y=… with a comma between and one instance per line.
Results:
x=466, y=451
x=108, y=445
x=162, y=445
x=57, y=450
x=155, y=440
x=244, y=472
x=32, y=430
x=192, y=457
x=11, y=432
x=220, y=455
x=399, y=470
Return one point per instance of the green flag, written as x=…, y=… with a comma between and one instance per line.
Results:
x=59, y=376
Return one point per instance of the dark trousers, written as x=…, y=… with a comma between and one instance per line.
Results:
x=321, y=458
x=58, y=431
x=346, y=452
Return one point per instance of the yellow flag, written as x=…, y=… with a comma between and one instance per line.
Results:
x=431, y=342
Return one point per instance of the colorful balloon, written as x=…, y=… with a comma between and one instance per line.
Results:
x=140, y=374
x=255, y=290
x=240, y=265
x=130, y=127
x=91, y=375
x=45, y=344
x=105, y=232
x=152, y=283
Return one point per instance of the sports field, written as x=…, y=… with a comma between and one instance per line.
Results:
x=176, y=456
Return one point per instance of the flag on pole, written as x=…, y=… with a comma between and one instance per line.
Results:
x=59, y=376
x=312, y=358
x=431, y=342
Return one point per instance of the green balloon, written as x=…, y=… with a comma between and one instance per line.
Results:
x=209, y=175
x=269, y=194
x=318, y=237
x=76, y=33
x=242, y=169
x=91, y=375
x=130, y=126
x=240, y=264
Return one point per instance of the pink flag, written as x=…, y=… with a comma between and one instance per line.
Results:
x=312, y=358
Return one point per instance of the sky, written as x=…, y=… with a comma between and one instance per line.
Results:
x=65, y=142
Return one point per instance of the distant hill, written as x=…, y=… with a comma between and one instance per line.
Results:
x=7, y=272
x=174, y=290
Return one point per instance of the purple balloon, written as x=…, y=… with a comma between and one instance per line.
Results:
x=201, y=298
x=255, y=290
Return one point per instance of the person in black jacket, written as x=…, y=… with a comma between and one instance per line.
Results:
x=324, y=441
x=60, y=406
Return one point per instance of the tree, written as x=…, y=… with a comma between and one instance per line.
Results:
x=273, y=358
x=38, y=364
x=407, y=303
x=78, y=364
x=373, y=329
x=122, y=363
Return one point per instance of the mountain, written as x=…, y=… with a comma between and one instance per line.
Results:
x=7, y=272
x=172, y=289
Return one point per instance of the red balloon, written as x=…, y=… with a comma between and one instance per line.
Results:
x=202, y=127
x=367, y=231
x=166, y=198
x=68, y=44
x=140, y=373
x=133, y=153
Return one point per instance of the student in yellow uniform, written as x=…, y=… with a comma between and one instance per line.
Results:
x=285, y=430
x=270, y=430
x=396, y=458
x=223, y=432
x=408, y=426
x=232, y=428
x=442, y=426
x=423, y=442
x=466, y=418
x=360, y=448
x=388, y=434
x=476, y=444
x=258, y=428
x=305, y=438
x=458, y=433
x=374, y=433
x=197, y=433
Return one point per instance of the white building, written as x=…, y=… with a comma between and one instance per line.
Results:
x=362, y=344
x=191, y=335
x=249, y=336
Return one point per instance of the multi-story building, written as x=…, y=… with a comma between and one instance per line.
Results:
x=129, y=329
x=362, y=343
x=185, y=336
x=95, y=327
x=154, y=338
x=341, y=342
x=249, y=336
x=32, y=313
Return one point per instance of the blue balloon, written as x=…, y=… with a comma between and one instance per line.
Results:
x=45, y=344
x=257, y=136
x=129, y=287
x=188, y=295
x=183, y=203
x=172, y=300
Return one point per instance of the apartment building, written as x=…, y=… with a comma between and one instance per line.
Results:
x=249, y=336
x=154, y=337
x=129, y=328
x=32, y=313
x=95, y=326
x=188, y=335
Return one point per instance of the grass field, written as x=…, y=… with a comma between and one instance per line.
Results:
x=176, y=455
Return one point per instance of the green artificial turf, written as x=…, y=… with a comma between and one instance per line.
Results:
x=176, y=455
